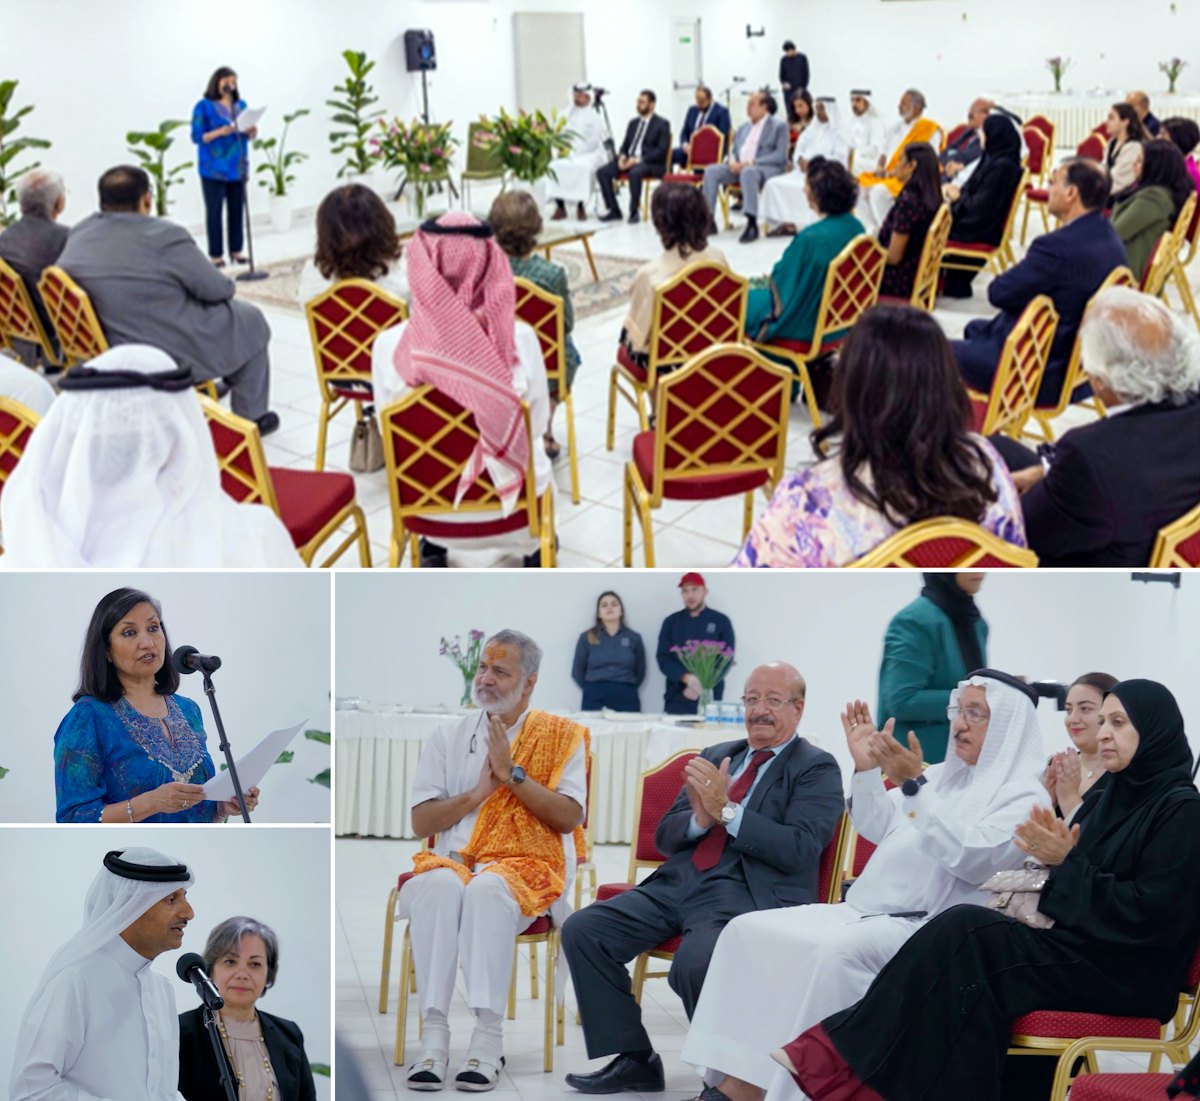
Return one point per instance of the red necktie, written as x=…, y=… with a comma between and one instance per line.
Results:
x=706, y=854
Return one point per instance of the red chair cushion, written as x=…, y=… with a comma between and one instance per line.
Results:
x=537, y=927
x=354, y=393
x=804, y=347
x=431, y=526
x=683, y=177
x=1120, y=1087
x=971, y=246
x=978, y=414
x=309, y=499
x=1065, y=1025
x=671, y=945
x=892, y=300
x=611, y=890
x=699, y=488
x=1037, y=194
x=626, y=361
x=403, y=879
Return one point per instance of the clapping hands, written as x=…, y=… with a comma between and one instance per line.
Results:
x=1045, y=837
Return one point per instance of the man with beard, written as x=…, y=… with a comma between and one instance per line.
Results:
x=504, y=789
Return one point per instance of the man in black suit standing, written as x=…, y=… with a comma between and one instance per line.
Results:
x=793, y=75
x=746, y=833
x=1101, y=494
x=643, y=153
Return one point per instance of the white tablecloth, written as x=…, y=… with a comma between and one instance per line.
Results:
x=1077, y=114
x=376, y=755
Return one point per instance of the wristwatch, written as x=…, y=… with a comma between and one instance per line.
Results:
x=911, y=787
x=728, y=813
x=516, y=775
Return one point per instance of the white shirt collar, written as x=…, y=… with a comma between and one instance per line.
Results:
x=127, y=959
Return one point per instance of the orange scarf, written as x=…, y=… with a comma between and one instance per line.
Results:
x=921, y=130
x=509, y=838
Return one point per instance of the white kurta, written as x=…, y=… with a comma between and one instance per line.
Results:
x=572, y=177
x=865, y=136
x=103, y=1030
x=783, y=198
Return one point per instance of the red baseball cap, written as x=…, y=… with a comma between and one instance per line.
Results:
x=691, y=579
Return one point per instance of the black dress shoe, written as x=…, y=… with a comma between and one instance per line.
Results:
x=267, y=423
x=634, y=218
x=750, y=233
x=611, y=216
x=623, y=1073
x=433, y=556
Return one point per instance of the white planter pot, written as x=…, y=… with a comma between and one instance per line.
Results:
x=281, y=213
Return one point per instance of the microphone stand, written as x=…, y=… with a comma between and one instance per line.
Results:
x=250, y=275
x=223, y=1068
x=223, y=744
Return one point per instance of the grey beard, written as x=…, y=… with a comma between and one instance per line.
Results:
x=501, y=706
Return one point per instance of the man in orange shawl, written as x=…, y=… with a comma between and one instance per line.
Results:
x=503, y=789
x=878, y=189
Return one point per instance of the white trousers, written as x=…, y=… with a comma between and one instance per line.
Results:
x=574, y=177
x=451, y=924
x=783, y=200
x=775, y=973
x=874, y=202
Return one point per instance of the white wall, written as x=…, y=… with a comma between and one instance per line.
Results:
x=95, y=71
x=270, y=629
x=830, y=625
x=281, y=877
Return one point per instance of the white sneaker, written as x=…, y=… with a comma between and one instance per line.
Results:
x=428, y=1073
x=478, y=1075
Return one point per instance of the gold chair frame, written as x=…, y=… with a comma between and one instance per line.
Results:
x=1163, y=262
x=552, y=336
x=725, y=324
x=1040, y=179
x=925, y=285
x=439, y=498
x=26, y=421
x=1181, y=241
x=322, y=333
x=1000, y=258
x=829, y=319
x=1166, y=554
x=689, y=166
x=646, y=498
x=1019, y=373
x=894, y=550
x=619, y=183
x=261, y=487
x=588, y=863
x=19, y=318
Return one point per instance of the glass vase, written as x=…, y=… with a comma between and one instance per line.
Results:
x=467, y=701
x=706, y=699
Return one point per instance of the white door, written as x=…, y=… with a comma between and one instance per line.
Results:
x=686, y=72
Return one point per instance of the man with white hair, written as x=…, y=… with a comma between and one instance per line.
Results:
x=503, y=788
x=1099, y=496
x=102, y=1022
x=878, y=183
x=35, y=241
x=571, y=178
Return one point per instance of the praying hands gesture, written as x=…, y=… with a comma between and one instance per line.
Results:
x=499, y=751
x=707, y=789
x=487, y=783
x=857, y=723
x=1046, y=838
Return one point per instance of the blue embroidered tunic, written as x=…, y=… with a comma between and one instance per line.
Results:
x=109, y=752
x=221, y=158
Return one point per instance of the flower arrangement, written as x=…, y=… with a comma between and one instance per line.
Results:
x=707, y=661
x=421, y=150
x=1172, y=69
x=467, y=660
x=525, y=143
x=1058, y=66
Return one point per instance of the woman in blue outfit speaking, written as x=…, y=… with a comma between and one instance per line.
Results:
x=223, y=164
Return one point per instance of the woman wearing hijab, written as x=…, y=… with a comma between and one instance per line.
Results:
x=1125, y=902
x=979, y=209
x=121, y=472
x=784, y=203
x=940, y=836
x=463, y=339
x=930, y=645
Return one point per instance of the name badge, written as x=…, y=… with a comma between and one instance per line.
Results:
x=711, y=628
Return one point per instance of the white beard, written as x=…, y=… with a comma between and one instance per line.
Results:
x=501, y=706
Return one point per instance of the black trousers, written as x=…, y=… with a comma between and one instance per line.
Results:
x=219, y=194
x=637, y=174
x=614, y=695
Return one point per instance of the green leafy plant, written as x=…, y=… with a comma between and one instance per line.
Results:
x=322, y=778
x=321, y=736
x=320, y=1068
x=278, y=159
x=151, y=147
x=526, y=143
x=421, y=150
x=3, y=773
x=352, y=111
x=11, y=148
x=1171, y=69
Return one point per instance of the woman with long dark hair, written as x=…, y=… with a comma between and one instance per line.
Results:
x=1125, y=136
x=610, y=659
x=907, y=223
x=1150, y=209
x=898, y=450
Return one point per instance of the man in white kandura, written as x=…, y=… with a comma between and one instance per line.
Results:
x=503, y=788
x=102, y=1023
x=571, y=178
x=865, y=131
x=784, y=203
x=941, y=834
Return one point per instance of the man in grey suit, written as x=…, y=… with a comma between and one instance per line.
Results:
x=33, y=242
x=746, y=833
x=151, y=284
x=760, y=149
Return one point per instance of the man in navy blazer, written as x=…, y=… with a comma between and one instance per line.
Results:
x=745, y=833
x=705, y=112
x=1068, y=265
x=1109, y=486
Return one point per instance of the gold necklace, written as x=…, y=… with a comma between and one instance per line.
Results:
x=229, y=1052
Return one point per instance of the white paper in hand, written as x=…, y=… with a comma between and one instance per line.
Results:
x=252, y=766
x=248, y=119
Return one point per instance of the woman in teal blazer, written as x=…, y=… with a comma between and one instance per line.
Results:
x=930, y=645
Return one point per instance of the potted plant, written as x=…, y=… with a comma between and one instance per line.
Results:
x=1172, y=69
x=526, y=143
x=154, y=159
x=11, y=148
x=1058, y=67
x=421, y=150
x=276, y=163
x=352, y=112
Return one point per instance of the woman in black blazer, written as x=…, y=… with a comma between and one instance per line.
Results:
x=265, y=1052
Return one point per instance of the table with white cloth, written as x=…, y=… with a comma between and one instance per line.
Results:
x=376, y=751
x=1077, y=114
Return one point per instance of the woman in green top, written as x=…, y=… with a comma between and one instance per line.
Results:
x=786, y=309
x=1150, y=211
x=931, y=645
x=517, y=222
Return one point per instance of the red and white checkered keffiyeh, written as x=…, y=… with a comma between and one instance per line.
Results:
x=461, y=339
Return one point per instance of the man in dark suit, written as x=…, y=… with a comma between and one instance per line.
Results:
x=1068, y=265
x=644, y=153
x=966, y=148
x=705, y=112
x=1106, y=488
x=35, y=241
x=746, y=833
x=1140, y=102
x=793, y=75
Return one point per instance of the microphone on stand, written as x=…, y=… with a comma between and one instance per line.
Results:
x=190, y=968
x=187, y=659
x=251, y=274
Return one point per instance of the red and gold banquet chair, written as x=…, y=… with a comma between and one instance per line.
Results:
x=857, y=851
x=720, y=430
x=997, y=258
x=544, y=312
x=1178, y=544
x=851, y=288
x=702, y=305
x=706, y=146
x=949, y=543
x=1038, y=165
x=1161, y=264
x=1019, y=373
x=1092, y=147
x=1047, y=128
x=623, y=179
x=955, y=133
x=313, y=504
x=1183, y=238
x=925, y=283
x=427, y=439
x=19, y=319
x=17, y=423
x=343, y=323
